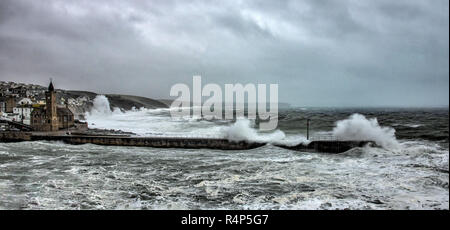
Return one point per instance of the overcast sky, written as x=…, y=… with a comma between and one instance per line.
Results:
x=320, y=52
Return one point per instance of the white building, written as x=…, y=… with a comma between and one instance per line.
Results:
x=22, y=113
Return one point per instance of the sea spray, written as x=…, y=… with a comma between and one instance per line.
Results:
x=243, y=130
x=148, y=122
x=292, y=140
x=157, y=122
x=101, y=106
x=358, y=127
x=151, y=122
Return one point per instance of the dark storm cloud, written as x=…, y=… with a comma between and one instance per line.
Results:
x=320, y=52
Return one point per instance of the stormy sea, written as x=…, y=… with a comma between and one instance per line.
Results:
x=408, y=169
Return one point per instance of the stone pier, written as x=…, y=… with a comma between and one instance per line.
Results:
x=325, y=146
x=328, y=146
x=123, y=140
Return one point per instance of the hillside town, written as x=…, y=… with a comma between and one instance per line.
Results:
x=18, y=99
x=33, y=106
x=27, y=104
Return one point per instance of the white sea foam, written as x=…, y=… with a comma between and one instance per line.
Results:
x=158, y=122
x=292, y=140
x=409, y=125
x=413, y=177
x=358, y=127
x=143, y=122
x=243, y=130
x=101, y=107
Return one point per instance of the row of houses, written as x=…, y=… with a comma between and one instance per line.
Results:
x=18, y=99
x=18, y=109
x=21, y=90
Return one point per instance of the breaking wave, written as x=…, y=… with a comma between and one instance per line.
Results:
x=243, y=130
x=414, y=176
x=151, y=122
x=102, y=108
x=358, y=127
x=158, y=122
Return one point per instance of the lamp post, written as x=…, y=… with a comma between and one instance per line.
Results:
x=307, y=129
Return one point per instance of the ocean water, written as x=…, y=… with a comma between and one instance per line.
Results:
x=409, y=171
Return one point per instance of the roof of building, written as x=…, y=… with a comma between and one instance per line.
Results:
x=50, y=87
x=59, y=111
x=63, y=111
x=24, y=101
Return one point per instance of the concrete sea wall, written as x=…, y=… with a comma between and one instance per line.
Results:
x=15, y=136
x=156, y=142
x=324, y=146
x=120, y=140
x=172, y=142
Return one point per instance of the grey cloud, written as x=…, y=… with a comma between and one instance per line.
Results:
x=320, y=52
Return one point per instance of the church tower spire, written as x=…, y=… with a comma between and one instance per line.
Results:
x=50, y=108
x=50, y=87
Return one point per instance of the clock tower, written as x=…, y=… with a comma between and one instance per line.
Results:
x=50, y=108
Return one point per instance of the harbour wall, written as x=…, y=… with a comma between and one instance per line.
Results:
x=15, y=136
x=121, y=140
x=174, y=142
x=329, y=146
